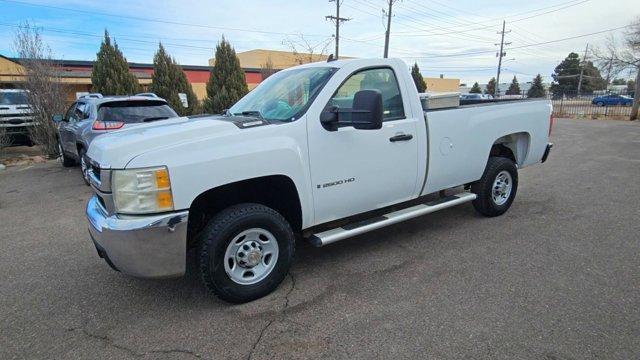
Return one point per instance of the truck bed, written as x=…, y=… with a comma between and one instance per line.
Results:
x=460, y=138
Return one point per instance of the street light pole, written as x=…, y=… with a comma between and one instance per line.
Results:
x=584, y=62
x=388, y=32
x=337, y=19
x=500, y=55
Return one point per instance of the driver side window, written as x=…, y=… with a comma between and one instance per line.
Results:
x=70, y=116
x=383, y=80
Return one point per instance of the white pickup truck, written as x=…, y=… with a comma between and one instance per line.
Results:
x=322, y=151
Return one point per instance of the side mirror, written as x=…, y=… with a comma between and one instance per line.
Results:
x=57, y=118
x=366, y=113
x=367, y=110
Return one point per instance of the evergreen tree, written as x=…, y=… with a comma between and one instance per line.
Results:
x=418, y=79
x=514, y=87
x=491, y=87
x=567, y=75
x=226, y=83
x=110, y=74
x=168, y=80
x=537, y=89
x=475, y=89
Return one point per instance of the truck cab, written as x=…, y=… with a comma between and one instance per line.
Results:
x=322, y=151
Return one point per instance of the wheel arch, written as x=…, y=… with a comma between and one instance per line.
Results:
x=278, y=192
x=514, y=146
x=79, y=146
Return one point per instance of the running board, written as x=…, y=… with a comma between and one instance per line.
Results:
x=361, y=227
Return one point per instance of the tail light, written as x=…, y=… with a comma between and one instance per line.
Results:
x=550, y=123
x=107, y=125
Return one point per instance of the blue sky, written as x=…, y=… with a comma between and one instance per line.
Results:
x=438, y=34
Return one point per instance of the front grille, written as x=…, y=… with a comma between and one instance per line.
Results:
x=19, y=115
x=15, y=130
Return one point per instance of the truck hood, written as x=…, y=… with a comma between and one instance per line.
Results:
x=116, y=149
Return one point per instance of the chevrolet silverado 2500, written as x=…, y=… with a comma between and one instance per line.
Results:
x=322, y=151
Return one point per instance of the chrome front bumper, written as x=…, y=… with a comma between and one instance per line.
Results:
x=150, y=246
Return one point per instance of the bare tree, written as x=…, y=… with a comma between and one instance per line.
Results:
x=306, y=52
x=4, y=140
x=43, y=84
x=625, y=57
x=606, y=59
x=267, y=69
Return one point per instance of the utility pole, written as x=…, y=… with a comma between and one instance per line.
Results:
x=500, y=55
x=388, y=32
x=584, y=62
x=337, y=19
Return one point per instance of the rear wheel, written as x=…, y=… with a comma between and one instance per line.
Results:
x=497, y=187
x=599, y=103
x=245, y=252
x=64, y=159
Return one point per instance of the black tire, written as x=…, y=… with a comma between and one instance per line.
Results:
x=66, y=161
x=218, y=234
x=83, y=165
x=599, y=103
x=485, y=203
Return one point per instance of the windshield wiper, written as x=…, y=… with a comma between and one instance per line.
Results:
x=149, y=119
x=255, y=113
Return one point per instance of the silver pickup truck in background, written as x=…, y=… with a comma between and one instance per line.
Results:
x=16, y=116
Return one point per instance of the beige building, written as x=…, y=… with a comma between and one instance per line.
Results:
x=255, y=59
x=74, y=75
x=441, y=84
x=280, y=59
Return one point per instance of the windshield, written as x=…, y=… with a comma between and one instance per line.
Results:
x=135, y=111
x=13, y=98
x=285, y=95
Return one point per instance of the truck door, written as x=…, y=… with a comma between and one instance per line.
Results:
x=354, y=171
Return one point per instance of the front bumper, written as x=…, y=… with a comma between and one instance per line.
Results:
x=151, y=246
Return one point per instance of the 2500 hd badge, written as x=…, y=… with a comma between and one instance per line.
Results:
x=334, y=183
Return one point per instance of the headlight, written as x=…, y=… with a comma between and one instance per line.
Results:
x=142, y=191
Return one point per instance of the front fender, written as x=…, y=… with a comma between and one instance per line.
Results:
x=195, y=167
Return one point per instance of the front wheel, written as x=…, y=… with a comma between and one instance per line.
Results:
x=245, y=252
x=599, y=103
x=497, y=187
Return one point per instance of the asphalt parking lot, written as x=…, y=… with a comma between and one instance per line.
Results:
x=557, y=277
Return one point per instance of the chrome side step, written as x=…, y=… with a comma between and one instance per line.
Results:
x=361, y=227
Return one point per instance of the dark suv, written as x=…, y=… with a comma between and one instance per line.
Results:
x=93, y=115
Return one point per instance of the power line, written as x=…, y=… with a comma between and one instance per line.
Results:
x=170, y=22
x=419, y=23
x=490, y=26
x=521, y=46
x=71, y=32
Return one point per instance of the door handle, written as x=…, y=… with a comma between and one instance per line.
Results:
x=401, y=137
